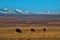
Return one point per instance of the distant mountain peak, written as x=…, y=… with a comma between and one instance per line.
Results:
x=5, y=9
x=27, y=12
x=18, y=10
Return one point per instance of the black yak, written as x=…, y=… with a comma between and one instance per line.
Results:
x=32, y=30
x=18, y=30
x=44, y=29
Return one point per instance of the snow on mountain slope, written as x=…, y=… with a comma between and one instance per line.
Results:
x=18, y=12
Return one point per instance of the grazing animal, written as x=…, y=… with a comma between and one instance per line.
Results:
x=32, y=30
x=44, y=29
x=18, y=31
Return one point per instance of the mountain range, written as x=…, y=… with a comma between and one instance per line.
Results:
x=18, y=12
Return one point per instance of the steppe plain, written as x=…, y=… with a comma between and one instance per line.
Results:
x=9, y=24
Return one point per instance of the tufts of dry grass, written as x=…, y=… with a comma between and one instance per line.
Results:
x=52, y=33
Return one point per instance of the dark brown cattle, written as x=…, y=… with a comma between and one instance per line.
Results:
x=18, y=31
x=44, y=29
x=32, y=30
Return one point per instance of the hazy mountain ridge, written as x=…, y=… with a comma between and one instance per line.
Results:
x=18, y=12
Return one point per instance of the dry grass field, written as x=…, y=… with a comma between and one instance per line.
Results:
x=52, y=33
x=8, y=26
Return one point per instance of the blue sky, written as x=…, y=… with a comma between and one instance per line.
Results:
x=31, y=5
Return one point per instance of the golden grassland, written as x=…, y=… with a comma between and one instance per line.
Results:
x=52, y=33
x=8, y=26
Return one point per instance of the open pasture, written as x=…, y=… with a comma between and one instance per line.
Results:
x=51, y=33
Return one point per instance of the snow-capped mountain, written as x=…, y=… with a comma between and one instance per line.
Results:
x=18, y=12
x=7, y=12
x=10, y=12
x=22, y=12
x=27, y=12
x=5, y=9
